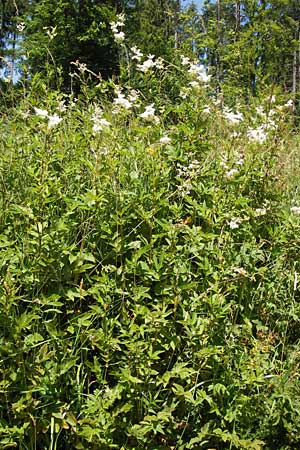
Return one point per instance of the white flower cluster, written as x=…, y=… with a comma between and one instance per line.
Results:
x=258, y=134
x=99, y=122
x=295, y=210
x=237, y=161
x=136, y=53
x=197, y=70
x=53, y=119
x=149, y=63
x=232, y=117
x=119, y=35
x=124, y=102
x=21, y=26
x=187, y=173
x=269, y=120
x=235, y=222
x=260, y=212
x=164, y=140
x=149, y=114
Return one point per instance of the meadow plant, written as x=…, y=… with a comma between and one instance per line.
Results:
x=149, y=270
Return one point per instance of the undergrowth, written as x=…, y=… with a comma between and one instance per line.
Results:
x=149, y=269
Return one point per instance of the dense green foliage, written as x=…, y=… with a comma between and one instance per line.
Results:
x=149, y=269
x=149, y=220
x=252, y=44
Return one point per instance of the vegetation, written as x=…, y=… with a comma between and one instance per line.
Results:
x=149, y=258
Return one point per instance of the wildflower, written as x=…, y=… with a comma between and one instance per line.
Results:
x=53, y=120
x=61, y=107
x=41, y=112
x=290, y=105
x=206, y=110
x=232, y=117
x=147, y=65
x=137, y=54
x=199, y=71
x=149, y=114
x=159, y=63
x=185, y=61
x=25, y=114
x=122, y=101
x=257, y=134
x=235, y=223
x=133, y=96
x=99, y=124
x=184, y=93
x=260, y=111
x=260, y=211
x=295, y=210
x=119, y=37
x=21, y=27
x=51, y=32
x=194, y=84
x=164, y=140
x=231, y=172
x=240, y=161
x=204, y=77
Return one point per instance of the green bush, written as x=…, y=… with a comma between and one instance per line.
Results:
x=149, y=273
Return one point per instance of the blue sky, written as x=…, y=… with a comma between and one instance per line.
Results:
x=199, y=3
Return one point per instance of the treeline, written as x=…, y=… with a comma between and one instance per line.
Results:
x=248, y=46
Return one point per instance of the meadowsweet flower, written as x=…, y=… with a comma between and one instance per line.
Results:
x=137, y=54
x=260, y=111
x=119, y=37
x=184, y=93
x=195, y=69
x=199, y=71
x=204, y=77
x=159, y=63
x=164, y=140
x=61, y=107
x=147, y=65
x=51, y=32
x=290, y=105
x=235, y=223
x=41, y=112
x=232, y=117
x=25, y=114
x=240, y=161
x=133, y=96
x=295, y=210
x=21, y=27
x=194, y=84
x=206, y=110
x=185, y=61
x=231, y=173
x=122, y=102
x=260, y=212
x=100, y=124
x=257, y=134
x=149, y=114
x=53, y=120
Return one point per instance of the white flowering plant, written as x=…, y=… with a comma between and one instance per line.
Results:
x=149, y=264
